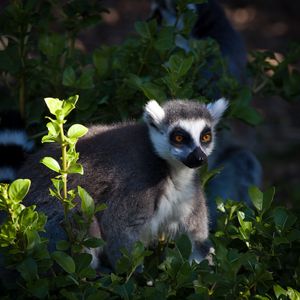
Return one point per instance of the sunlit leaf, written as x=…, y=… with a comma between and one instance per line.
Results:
x=53, y=104
x=87, y=202
x=77, y=131
x=51, y=163
x=18, y=189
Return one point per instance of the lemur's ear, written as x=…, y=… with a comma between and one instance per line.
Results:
x=217, y=109
x=153, y=114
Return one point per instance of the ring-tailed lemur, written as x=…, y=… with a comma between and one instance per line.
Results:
x=146, y=173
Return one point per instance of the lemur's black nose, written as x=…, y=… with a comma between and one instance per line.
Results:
x=196, y=158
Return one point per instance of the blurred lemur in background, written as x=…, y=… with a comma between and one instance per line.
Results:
x=239, y=166
x=211, y=23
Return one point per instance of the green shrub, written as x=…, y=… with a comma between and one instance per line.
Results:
x=256, y=249
x=114, y=81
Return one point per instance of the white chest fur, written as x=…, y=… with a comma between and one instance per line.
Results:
x=175, y=205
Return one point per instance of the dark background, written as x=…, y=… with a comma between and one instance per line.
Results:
x=264, y=25
x=268, y=24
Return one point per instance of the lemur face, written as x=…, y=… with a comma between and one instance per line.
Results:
x=182, y=132
x=191, y=141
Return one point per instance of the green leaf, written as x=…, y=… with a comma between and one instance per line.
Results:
x=75, y=169
x=185, y=275
x=69, y=104
x=64, y=260
x=243, y=110
x=82, y=261
x=87, y=202
x=134, y=81
x=51, y=163
x=184, y=246
x=52, y=45
x=165, y=39
x=53, y=104
x=279, y=291
x=39, y=288
x=246, y=226
x=77, y=131
x=207, y=175
x=220, y=204
x=28, y=269
x=18, y=189
x=93, y=242
x=180, y=65
x=283, y=219
x=142, y=29
x=48, y=139
x=69, y=77
x=268, y=198
x=101, y=61
x=293, y=294
x=153, y=91
x=256, y=197
x=88, y=272
x=53, y=129
x=100, y=207
x=58, y=183
x=62, y=245
x=125, y=291
x=259, y=297
x=86, y=79
x=33, y=238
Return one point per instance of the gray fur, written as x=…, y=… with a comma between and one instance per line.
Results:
x=145, y=193
x=185, y=110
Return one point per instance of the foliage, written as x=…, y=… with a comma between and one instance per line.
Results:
x=274, y=75
x=256, y=249
x=69, y=165
x=40, y=57
x=22, y=223
x=21, y=246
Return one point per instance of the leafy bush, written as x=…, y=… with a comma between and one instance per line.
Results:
x=256, y=250
x=114, y=81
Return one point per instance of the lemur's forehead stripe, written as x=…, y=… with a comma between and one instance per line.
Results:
x=193, y=127
x=185, y=110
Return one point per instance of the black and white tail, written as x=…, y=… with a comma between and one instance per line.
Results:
x=14, y=145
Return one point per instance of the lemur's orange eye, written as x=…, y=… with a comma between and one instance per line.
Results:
x=206, y=138
x=178, y=138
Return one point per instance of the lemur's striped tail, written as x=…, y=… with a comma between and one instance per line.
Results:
x=14, y=145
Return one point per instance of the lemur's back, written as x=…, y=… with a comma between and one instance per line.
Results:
x=120, y=167
x=112, y=156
